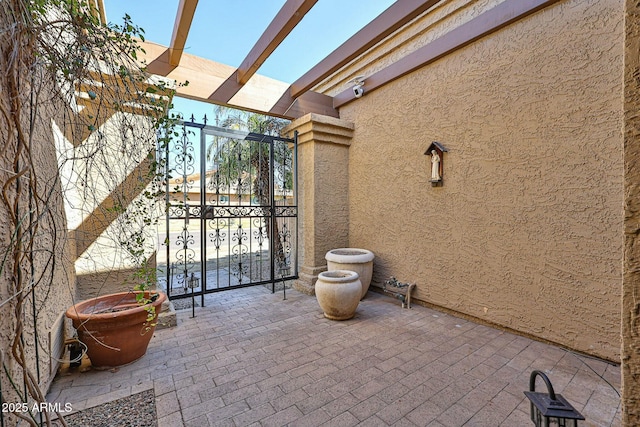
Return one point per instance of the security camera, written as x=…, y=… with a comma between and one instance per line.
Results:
x=358, y=91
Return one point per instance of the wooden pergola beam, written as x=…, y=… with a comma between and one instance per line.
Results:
x=287, y=18
x=487, y=23
x=397, y=15
x=184, y=17
x=101, y=11
x=308, y=102
x=261, y=94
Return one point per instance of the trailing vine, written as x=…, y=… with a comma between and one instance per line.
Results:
x=80, y=122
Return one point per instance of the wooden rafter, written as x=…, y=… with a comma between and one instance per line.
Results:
x=487, y=23
x=261, y=94
x=103, y=13
x=287, y=18
x=397, y=15
x=186, y=11
x=100, y=96
x=308, y=102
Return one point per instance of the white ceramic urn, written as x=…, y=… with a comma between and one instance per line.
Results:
x=353, y=259
x=338, y=293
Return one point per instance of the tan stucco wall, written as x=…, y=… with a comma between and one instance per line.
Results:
x=94, y=184
x=52, y=254
x=526, y=231
x=323, y=170
x=631, y=285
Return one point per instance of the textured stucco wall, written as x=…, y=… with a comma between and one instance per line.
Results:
x=95, y=185
x=323, y=171
x=631, y=285
x=52, y=255
x=527, y=230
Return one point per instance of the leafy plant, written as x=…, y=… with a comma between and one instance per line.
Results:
x=67, y=76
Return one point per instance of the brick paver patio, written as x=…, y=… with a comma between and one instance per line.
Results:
x=250, y=358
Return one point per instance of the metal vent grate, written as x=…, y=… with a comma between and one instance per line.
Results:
x=56, y=346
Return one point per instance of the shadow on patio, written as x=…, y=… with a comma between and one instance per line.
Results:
x=250, y=358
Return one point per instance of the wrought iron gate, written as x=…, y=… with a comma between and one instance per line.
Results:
x=231, y=210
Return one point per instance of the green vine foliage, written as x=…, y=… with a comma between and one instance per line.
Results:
x=75, y=99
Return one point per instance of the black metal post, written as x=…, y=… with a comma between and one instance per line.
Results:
x=203, y=222
x=193, y=303
x=272, y=219
x=296, y=200
x=167, y=240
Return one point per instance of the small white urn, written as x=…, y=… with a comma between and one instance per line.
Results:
x=338, y=293
x=352, y=259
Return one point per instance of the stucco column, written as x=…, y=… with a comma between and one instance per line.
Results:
x=630, y=330
x=323, y=191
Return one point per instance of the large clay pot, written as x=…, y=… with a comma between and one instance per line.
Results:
x=114, y=327
x=353, y=259
x=338, y=293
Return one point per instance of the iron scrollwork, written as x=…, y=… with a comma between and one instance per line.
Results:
x=237, y=222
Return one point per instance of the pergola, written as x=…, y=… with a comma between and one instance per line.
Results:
x=243, y=88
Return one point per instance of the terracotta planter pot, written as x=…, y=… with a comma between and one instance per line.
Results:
x=338, y=293
x=353, y=259
x=114, y=327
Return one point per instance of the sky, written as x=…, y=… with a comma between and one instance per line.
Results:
x=226, y=30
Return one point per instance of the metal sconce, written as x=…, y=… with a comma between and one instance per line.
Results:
x=550, y=409
x=435, y=151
